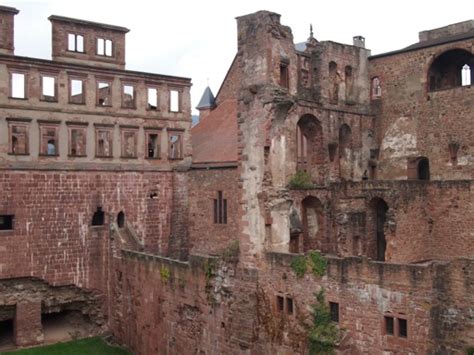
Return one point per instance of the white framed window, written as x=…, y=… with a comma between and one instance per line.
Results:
x=104, y=47
x=75, y=42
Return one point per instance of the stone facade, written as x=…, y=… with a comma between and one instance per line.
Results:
x=326, y=157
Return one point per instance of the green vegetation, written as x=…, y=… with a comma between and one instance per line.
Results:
x=96, y=346
x=165, y=273
x=314, y=260
x=301, y=181
x=470, y=350
x=209, y=269
x=323, y=334
x=299, y=266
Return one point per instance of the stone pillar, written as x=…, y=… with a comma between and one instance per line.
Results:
x=28, y=328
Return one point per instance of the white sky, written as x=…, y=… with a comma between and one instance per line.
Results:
x=198, y=38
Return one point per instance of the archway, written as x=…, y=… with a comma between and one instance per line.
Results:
x=309, y=141
x=423, y=169
x=377, y=245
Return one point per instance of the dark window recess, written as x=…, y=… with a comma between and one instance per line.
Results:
x=121, y=219
x=402, y=328
x=6, y=222
x=98, y=217
x=389, y=328
x=220, y=209
x=284, y=76
x=334, y=309
x=280, y=303
x=289, y=305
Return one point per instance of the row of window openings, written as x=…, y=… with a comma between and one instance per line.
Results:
x=396, y=326
x=104, y=93
x=75, y=43
x=77, y=143
x=284, y=304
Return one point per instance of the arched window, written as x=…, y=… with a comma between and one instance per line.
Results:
x=309, y=142
x=423, y=169
x=349, y=83
x=121, y=219
x=333, y=84
x=451, y=69
x=376, y=88
x=313, y=224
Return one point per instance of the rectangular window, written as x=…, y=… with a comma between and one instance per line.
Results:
x=76, y=91
x=280, y=303
x=104, y=47
x=129, y=143
x=104, y=94
x=284, y=77
x=220, y=209
x=103, y=142
x=389, y=325
x=153, y=145
x=152, y=99
x=18, y=86
x=77, y=141
x=75, y=42
x=6, y=222
x=175, y=148
x=128, y=96
x=49, y=140
x=289, y=305
x=18, y=139
x=402, y=328
x=334, y=310
x=48, y=88
x=174, y=101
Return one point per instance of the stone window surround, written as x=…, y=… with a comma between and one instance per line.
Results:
x=48, y=124
x=17, y=70
x=72, y=126
x=158, y=132
x=24, y=122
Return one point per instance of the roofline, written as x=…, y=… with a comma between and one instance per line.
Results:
x=71, y=66
x=9, y=9
x=88, y=23
x=408, y=49
x=225, y=78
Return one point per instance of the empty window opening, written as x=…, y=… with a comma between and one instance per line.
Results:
x=376, y=88
x=220, y=209
x=75, y=42
x=49, y=141
x=389, y=325
x=18, y=86
x=48, y=88
x=98, y=217
x=309, y=141
x=451, y=69
x=289, y=305
x=333, y=84
x=104, y=143
x=77, y=142
x=402, y=328
x=345, y=152
x=379, y=210
x=153, y=146
x=7, y=337
x=349, y=83
x=6, y=222
x=104, y=47
x=423, y=169
x=104, y=94
x=174, y=101
x=466, y=75
x=129, y=144
x=121, y=219
x=280, y=303
x=18, y=139
x=334, y=311
x=128, y=96
x=152, y=99
x=76, y=91
x=175, y=149
x=312, y=224
x=284, y=75
x=295, y=243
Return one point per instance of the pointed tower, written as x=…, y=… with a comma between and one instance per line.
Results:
x=206, y=104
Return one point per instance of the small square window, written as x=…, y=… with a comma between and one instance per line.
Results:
x=280, y=303
x=48, y=88
x=104, y=94
x=389, y=325
x=402, y=328
x=76, y=91
x=18, y=86
x=103, y=142
x=174, y=101
x=18, y=139
x=75, y=42
x=152, y=99
x=334, y=310
x=153, y=145
x=98, y=217
x=6, y=222
x=77, y=141
x=128, y=96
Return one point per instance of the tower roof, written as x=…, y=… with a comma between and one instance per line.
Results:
x=207, y=100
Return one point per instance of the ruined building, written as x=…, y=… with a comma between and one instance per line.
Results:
x=180, y=240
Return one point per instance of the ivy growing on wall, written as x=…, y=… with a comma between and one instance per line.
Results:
x=316, y=262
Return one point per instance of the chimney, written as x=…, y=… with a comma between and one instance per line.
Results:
x=359, y=41
x=6, y=29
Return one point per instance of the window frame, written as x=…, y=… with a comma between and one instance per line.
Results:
x=70, y=128
x=76, y=35
x=104, y=39
x=45, y=126
x=123, y=131
x=148, y=132
x=110, y=130
x=83, y=80
x=103, y=81
x=21, y=123
x=170, y=106
x=220, y=209
x=148, y=87
x=134, y=101
x=375, y=95
x=25, y=83
x=53, y=76
x=180, y=134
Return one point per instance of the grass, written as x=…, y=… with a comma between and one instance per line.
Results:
x=95, y=346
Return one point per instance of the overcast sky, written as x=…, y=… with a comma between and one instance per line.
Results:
x=198, y=38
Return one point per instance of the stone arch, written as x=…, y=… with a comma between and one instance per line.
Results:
x=377, y=245
x=345, y=152
x=446, y=70
x=309, y=141
x=313, y=224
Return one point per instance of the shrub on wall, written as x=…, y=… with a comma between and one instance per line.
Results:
x=301, y=180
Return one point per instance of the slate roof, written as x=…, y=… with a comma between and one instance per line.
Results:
x=207, y=100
